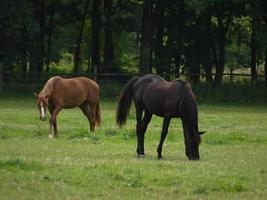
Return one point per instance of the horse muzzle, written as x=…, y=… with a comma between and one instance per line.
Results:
x=42, y=118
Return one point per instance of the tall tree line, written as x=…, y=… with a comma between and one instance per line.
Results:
x=168, y=37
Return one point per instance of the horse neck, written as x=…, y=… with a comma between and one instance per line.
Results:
x=47, y=89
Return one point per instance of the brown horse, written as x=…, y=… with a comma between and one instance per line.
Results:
x=154, y=95
x=59, y=93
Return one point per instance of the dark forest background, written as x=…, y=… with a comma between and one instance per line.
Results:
x=202, y=40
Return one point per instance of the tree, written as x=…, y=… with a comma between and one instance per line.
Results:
x=264, y=31
x=206, y=44
x=253, y=44
x=95, y=36
x=147, y=32
x=37, y=47
x=162, y=57
x=194, y=53
x=150, y=18
x=79, y=40
x=108, y=64
x=51, y=13
x=223, y=25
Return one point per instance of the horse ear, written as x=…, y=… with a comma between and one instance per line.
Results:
x=201, y=132
x=35, y=94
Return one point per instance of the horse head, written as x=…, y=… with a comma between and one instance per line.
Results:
x=42, y=103
x=192, y=145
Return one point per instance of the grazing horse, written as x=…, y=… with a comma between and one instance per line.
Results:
x=154, y=95
x=59, y=93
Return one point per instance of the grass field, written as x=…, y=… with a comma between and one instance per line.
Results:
x=79, y=165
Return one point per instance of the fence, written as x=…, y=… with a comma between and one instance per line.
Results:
x=236, y=88
x=14, y=81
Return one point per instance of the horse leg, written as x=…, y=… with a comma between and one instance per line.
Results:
x=55, y=127
x=53, y=122
x=166, y=122
x=85, y=109
x=51, y=109
x=89, y=112
x=92, y=117
x=141, y=127
x=139, y=112
x=146, y=119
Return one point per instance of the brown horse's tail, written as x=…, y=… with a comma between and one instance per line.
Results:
x=98, y=114
x=125, y=101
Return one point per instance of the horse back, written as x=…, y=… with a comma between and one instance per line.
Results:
x=74, y=91
x=164, y=98
x=142, y=83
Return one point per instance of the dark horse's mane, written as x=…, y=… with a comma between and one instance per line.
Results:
x=186, y=85
x=189, y=108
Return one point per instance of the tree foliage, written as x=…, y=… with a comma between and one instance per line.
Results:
x=166, y=37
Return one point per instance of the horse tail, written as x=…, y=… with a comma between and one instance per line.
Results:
x=98, y=114
x=125, y=101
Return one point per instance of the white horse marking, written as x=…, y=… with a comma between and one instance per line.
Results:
x=42, y=110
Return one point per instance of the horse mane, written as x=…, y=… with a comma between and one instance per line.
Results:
x=189, y=105
x=186, y=85
x=48, y=87
x=189, y=89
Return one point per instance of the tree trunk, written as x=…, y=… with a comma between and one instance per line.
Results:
x=146, y=38
x=159, y=48
x=265, y=67
x=222, y=30
x=221, y=60
x=37, y=49
x=193, y=65
x=1, y=73
x=207, y=38
x=195, y=51
x=1, y=81
x=253, y=52
x=150, y=19
x=108, y=64
x=77, y=48
x=263, y=6
x=177, y=62
x=96, y=28
x=178, y=54
x=49, y=42
x=24, y=49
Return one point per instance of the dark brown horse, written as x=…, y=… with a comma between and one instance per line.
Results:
x=154, y=95
x=59, y=93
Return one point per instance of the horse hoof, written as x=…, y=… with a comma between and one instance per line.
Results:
x=194, y=159
x=141, y=156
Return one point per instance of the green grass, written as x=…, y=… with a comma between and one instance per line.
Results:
x=80, y=165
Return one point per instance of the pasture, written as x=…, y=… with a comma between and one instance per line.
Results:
x=82, y=165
